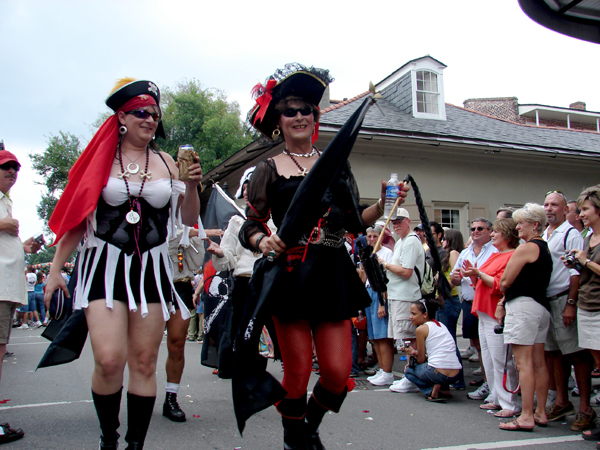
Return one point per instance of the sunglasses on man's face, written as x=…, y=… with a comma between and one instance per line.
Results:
x=293, y=112
x=141, y=114
x=10, y=165
x=478, y=229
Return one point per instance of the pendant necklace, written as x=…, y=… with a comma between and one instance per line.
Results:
x=132, y=216
x=302, y=171
x=132, y=167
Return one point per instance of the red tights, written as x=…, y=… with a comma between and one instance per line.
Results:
x=333, y=344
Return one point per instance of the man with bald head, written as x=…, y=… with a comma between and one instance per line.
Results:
x=561, y=343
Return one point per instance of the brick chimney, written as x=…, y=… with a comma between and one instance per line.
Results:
x=506, y=108
x=577, y=105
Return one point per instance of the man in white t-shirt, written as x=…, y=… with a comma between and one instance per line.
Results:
x=30, y=312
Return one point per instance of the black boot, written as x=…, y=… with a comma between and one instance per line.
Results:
x=107, y=408
x=292, y=418
x=319, y=403
x=171, y=409
x=139, y=414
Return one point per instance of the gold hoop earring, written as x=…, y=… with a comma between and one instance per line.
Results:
x=275, y=134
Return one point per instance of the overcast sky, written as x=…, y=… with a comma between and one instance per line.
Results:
x=61, y=58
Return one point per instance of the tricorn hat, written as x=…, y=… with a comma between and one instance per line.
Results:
x=130, y=90
x=293, y=80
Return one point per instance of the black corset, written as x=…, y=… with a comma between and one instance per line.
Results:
x=113, y=228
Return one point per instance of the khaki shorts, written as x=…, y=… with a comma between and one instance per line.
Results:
x=7, y=311
x=588, y=325
x=399, y=324
x=561, y=338
x=526, y=322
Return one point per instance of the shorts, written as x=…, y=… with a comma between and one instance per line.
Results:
x=7, y=311
x=470, y=323
x=561, y=338
x=588, y=325
x=24, y=308
x=399, y=324
x=376, y=328
x=186, y=292
x=526, y=322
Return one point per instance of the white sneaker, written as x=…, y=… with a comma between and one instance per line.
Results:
x=478, y=372
x=37, y=324
x=466, y=354
x=474, y=358
x=595, y=400
x=377, y=375
x=404, y=386
x=481, y=393
x=551, y=399
x=23, y=327
x=572, y=383
x=384, y=380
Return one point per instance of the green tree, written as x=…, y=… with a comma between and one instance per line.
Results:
x=204, y=119
x=53, y=166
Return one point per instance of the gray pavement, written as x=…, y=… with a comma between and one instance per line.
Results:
x=53, y=406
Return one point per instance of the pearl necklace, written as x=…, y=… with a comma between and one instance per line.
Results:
x=302, y=171
x=303, y=155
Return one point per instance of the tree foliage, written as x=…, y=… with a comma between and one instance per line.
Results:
x=204, y=119
x=53, y=166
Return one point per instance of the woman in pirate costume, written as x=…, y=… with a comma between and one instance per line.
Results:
x=318, y=290
x=122, y=198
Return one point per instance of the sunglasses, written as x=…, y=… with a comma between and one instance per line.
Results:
x=10, y=165
x=293, y=112
x=556, y=192
x=478, y=229
x=142, y=114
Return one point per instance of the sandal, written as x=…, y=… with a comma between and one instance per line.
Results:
x=540, y=423
x=506, y=413
x=594, y=435
x=10, y=434
x=490, y=406
x=514, y=425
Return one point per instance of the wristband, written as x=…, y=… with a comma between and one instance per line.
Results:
x=257, y=243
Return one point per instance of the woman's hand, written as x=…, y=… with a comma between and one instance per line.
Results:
x=409, y=351
x=272, y=243
x=381, y=311
x=55, y=281
x=579, y=255
x=195, y=299
x=214, y=232
x=404, y=188
x=195, y=172
x=500, y=312
x=215, y=249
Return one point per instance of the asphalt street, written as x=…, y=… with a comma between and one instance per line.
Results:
x=53, y=406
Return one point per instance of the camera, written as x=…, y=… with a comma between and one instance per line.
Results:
x=570, y=259
x=406, y=344
x=39, y=238
x=499, y=329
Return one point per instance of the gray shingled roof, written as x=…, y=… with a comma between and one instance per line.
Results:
x=468, y=127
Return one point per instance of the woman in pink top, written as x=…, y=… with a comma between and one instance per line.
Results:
x=486, y=280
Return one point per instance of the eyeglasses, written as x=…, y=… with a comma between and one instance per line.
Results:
x=478, y=229
x=11, y=165
x=293, y=112
x=142, y=114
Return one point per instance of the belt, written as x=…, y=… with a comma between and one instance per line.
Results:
x=322, y=236
x=555, y=297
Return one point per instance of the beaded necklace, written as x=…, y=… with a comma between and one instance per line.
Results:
x=132, y=216
x=302, y=171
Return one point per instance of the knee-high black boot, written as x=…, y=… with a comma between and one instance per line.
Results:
x=292, y=412
x=107, y=408
x=319, y=403
x=139, y=414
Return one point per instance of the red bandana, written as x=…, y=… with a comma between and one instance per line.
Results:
x=90, y=173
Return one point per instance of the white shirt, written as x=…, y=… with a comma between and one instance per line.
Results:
x=31, y=280
x=408, y=253
x=12, y=261
x=560, y=280
x=467, y=290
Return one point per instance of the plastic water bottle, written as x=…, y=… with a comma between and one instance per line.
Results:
x=391, y=195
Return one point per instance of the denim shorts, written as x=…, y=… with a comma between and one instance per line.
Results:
x=526, y=322
x=376, y=328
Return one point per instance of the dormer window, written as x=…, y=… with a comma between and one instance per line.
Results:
x=427, y=92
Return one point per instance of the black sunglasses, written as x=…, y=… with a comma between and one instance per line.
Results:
x=142, y=114
x=478, y=229
x=10, y=165
x=292, y=112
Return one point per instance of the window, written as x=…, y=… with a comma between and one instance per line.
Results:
x=427, y=92
x=448, y=218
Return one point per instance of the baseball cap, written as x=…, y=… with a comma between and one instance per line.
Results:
x=6, y=156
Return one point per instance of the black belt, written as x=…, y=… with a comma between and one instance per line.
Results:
x=555, y=297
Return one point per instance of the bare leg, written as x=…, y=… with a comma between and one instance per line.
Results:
x=176, y=334
x=541, y=381
x=108, y=336
x=524, y=359
x=583, y=363
x=385, y=353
